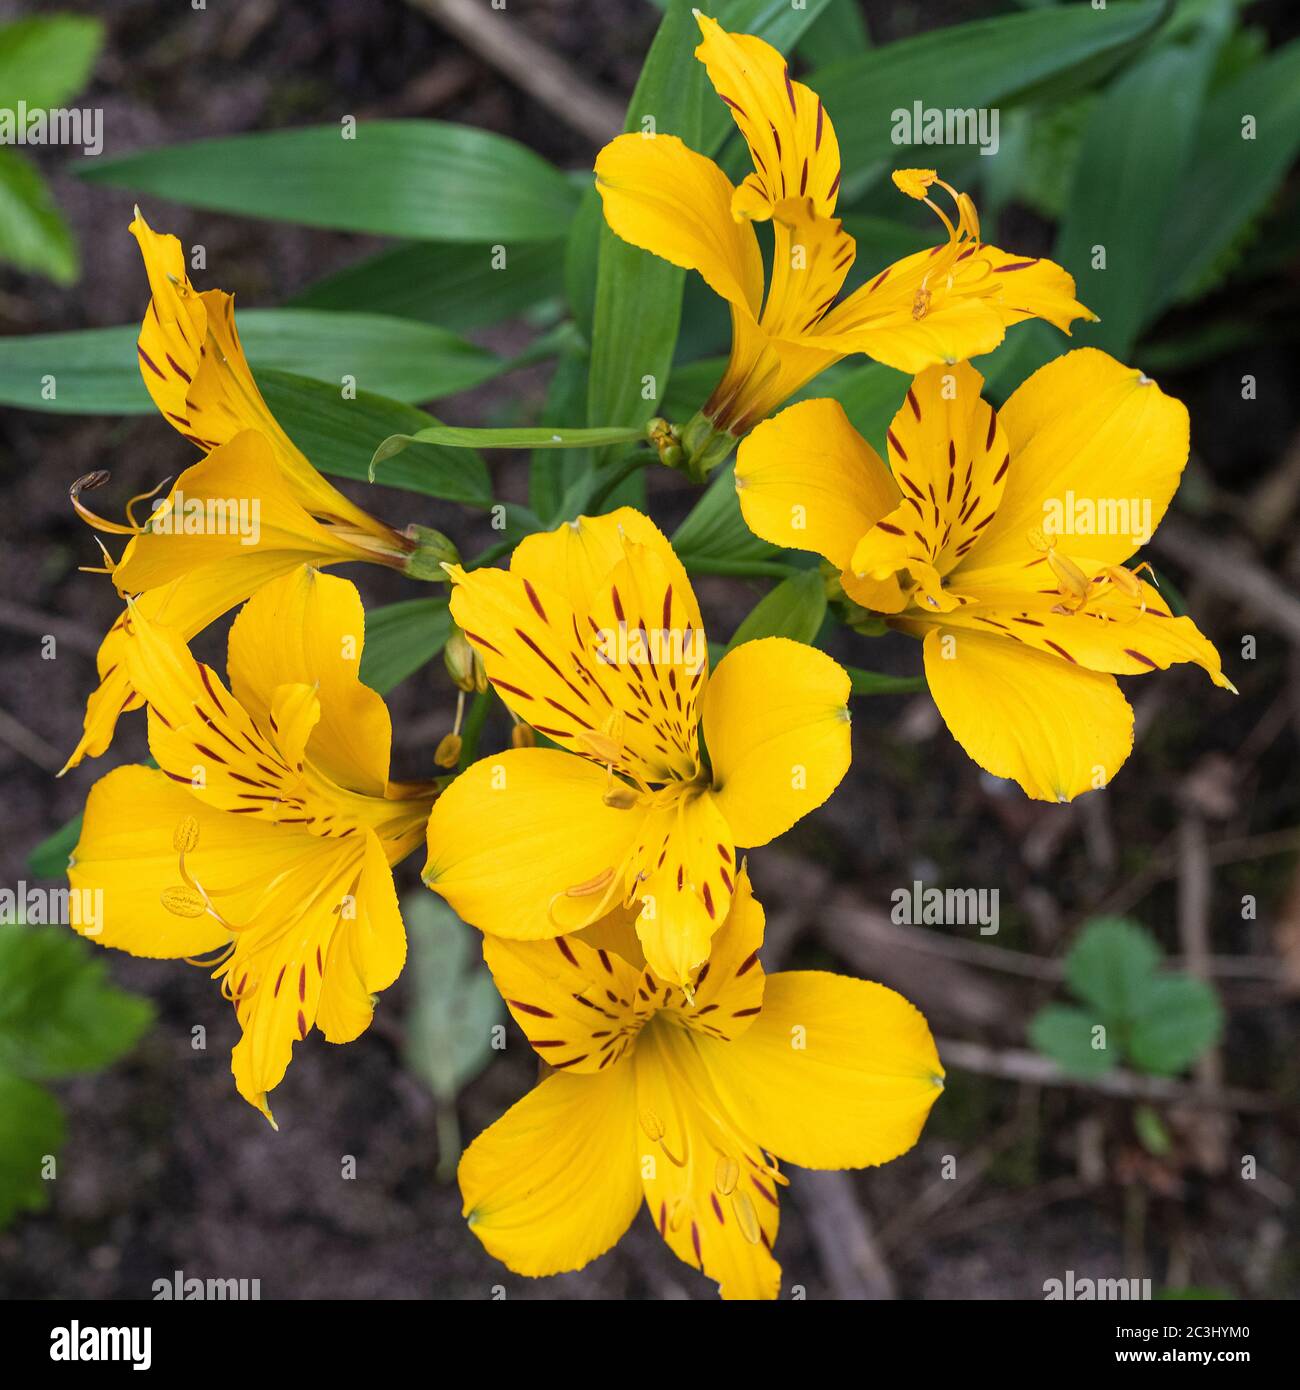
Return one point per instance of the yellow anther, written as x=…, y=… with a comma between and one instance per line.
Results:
x=186, y=835
x=522, y=736
x=747, y=1217
x=726, y=1175
x=914, y=182
x=1068, y=574
x=921, y=304
x=676, y=1214
x=653, y=1125
x=184, y=902
x=620, y=796
x=447, y=754
x=592, y=885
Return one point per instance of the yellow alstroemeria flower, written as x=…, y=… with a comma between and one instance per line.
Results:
x=267, y=832
x=951, y=302
x=686, y=1104
x=194, y=558
x=594, y=638
x=1001, y=540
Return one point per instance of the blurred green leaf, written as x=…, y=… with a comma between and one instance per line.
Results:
x=1065, y=1035
x=1111, y=966
x=1232, y=178
x=59, y=1012
x=340, y=436
x=796, y=609
x=838, y=32
x=97, y=371
x=33, y=234
x=1151, y=1131
x=989, y=62
x=1135, y=150
x=877, y=683
x=49, y=859
x=31, y=1127
x=454, y=286
x=638, y=298
x=453, y=1009
x=551, y=473
x=402, y=637
x=45, y=61
x=714, y=529
x=424, y=180
x=1180, y=1018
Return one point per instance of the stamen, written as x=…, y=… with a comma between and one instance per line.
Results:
x=747, y=1217
x=726, y=1175
x=88, y=483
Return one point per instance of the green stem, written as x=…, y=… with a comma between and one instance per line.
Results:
x=743, y=569
x=473, y=727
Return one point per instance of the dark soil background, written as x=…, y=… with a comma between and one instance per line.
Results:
x=166, y=1169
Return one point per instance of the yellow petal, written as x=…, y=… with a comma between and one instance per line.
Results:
x=835, y=1073
x=683, y=875
x=309, y=628
x=762, y=373
x=701, y=1174
x=1125, y=634
x=811, y=255
x=807, y=480
x=194, y=367
x=126, y=851
x=233, y=508
x=553, y=1183
x=950, y=459
x=789, y=135
x=522, y=845
x=1083, y=427
x=728, y=992
x=577, y=1005
x=663, y=197
x=1055, y=728
x=276, y=977
x=776, y=723
x=577, y=559
x=366, y=952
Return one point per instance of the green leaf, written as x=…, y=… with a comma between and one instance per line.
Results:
x=1111, y=966
x=551, y=473
x=33, y=234
x=1065, y=1035
x=96, y=370
x=796, y=609
x=1151, y=1132
x=528, y=437
x=59, y=1013
x=715, y=530
x=1135, y=149
x=425, y=180
x=31, y=1129
x=840, y=30
x=49, y=859
x=457, y=287
x=402, y=637
x=989, y=62
x=638, y=299
x=1232, y=179
x=1180, y=1018
x=46, y=61
x=340, y=436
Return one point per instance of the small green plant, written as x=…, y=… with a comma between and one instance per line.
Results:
x=1158, y=1021
x=60, y=1016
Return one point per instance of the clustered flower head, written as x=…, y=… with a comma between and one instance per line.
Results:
x=603, y=853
